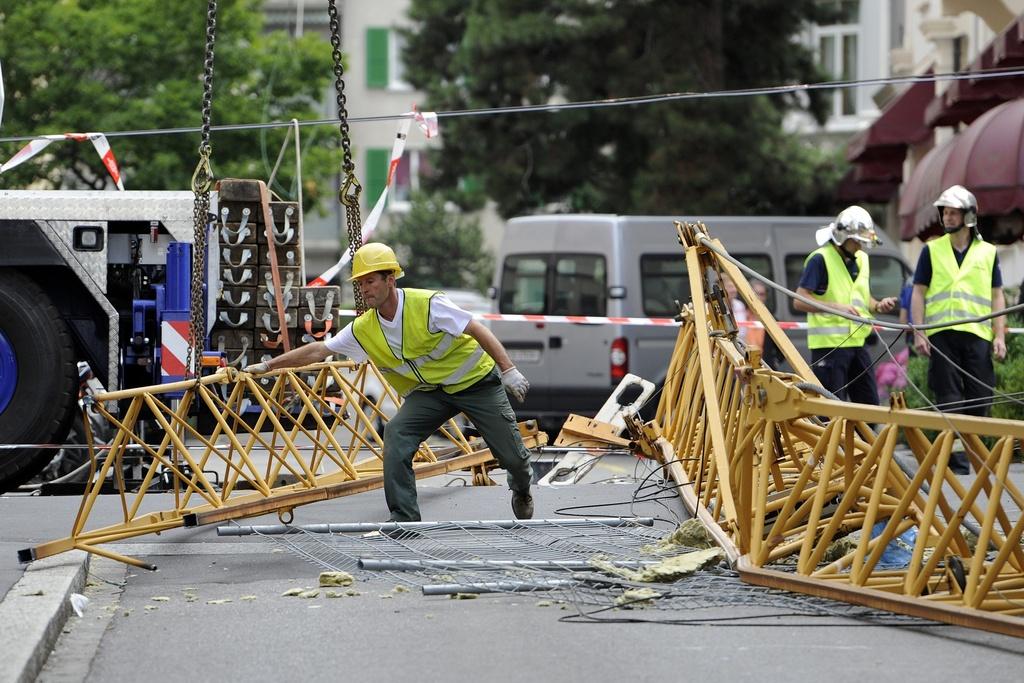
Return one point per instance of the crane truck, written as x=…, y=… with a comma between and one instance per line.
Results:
x=104, y=278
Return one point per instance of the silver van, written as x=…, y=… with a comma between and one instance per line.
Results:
x=631, y=266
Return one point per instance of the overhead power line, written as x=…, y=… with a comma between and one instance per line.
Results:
x=981, y=74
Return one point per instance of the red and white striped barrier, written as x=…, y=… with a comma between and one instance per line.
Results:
x=174, y=349
x=98, y=140
x=620, y=320
x=598, y=320
x=427, y=121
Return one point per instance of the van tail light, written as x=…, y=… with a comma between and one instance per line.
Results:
x=619, y=358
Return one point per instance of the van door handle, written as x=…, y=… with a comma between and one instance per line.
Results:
x=555, y=342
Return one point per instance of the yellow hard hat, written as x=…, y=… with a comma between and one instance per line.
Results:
x=373, y=257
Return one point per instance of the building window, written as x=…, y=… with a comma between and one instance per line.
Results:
x=414, y=166
x=384, y=66
x=836, y=46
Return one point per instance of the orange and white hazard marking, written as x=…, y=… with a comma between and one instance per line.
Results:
x=174, y=348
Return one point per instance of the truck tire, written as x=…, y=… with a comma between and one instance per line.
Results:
x=38, y=378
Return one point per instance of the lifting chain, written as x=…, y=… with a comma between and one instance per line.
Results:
x=202, y=181
x=350, y=187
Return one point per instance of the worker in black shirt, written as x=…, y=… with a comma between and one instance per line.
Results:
x=836, y=276
x=958, y=277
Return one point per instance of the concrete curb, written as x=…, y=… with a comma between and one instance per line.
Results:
x=34, y=612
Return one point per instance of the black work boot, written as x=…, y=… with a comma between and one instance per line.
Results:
x=522, y=505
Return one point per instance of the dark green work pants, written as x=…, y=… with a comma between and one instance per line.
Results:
x=423, y=412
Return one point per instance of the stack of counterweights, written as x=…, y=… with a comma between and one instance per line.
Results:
x=248, y=327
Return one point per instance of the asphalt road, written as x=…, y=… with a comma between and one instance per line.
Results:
x=382, y=634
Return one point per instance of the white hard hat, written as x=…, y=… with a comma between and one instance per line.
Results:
x=853, y=222
x=959, y=197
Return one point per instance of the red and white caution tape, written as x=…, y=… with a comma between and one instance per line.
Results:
x=599, y=320
x=428, y=124
x=98, y=140
x=620, y=320
x=427, y=121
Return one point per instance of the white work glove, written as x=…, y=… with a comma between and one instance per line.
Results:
x=515, y=383
x=257, y=368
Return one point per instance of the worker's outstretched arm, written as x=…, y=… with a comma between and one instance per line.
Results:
x=490, y=344
x=511, y=378
x=297, y=357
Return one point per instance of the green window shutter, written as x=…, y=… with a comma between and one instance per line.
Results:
x=376, y=58
x=377, y=160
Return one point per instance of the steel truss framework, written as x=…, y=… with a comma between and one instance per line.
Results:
x=779, y=473
x=314, y=438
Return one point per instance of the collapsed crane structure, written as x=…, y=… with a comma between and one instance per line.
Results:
x=315, y=438
x=804, y=495
x=799, y=489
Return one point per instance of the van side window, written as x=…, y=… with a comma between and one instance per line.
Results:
x=887, y=276
x=762, y=264
x=663, y=281
x=794, y=269
x=581, y=285
x=524, y=284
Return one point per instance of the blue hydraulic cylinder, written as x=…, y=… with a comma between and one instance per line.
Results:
x=179, y=276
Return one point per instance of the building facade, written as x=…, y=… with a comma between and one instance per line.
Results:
x=929, y=135
x=375, y=87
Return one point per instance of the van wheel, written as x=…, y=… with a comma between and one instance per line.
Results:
x=38, y=378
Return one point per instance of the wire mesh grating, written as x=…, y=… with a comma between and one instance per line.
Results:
x=554, y=558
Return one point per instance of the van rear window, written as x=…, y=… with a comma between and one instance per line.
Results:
x=524, y=284
x=563, y=284
x=581, y=285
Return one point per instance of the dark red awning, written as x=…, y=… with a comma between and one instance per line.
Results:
x=877, y=153
x=965, y=100
x=900, y=124
x=987, y=158
x=852, y=190
x=921, y=189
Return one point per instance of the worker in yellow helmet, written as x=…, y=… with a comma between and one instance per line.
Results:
x=836, y=277
x=958, y=277
x=441, y=361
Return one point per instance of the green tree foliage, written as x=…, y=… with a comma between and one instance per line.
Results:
x=725, y=155
x=114, y=65
x=439, y=248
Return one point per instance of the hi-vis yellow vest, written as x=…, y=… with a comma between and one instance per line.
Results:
x=429, y=359
x=829, y=331
x=963, y=291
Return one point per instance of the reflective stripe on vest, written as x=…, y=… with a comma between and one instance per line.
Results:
x=829, y=331
x=960, y=291
x=428, y=359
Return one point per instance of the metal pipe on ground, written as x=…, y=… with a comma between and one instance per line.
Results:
x=419, y=565
x=365, y=527
x=496, y=587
